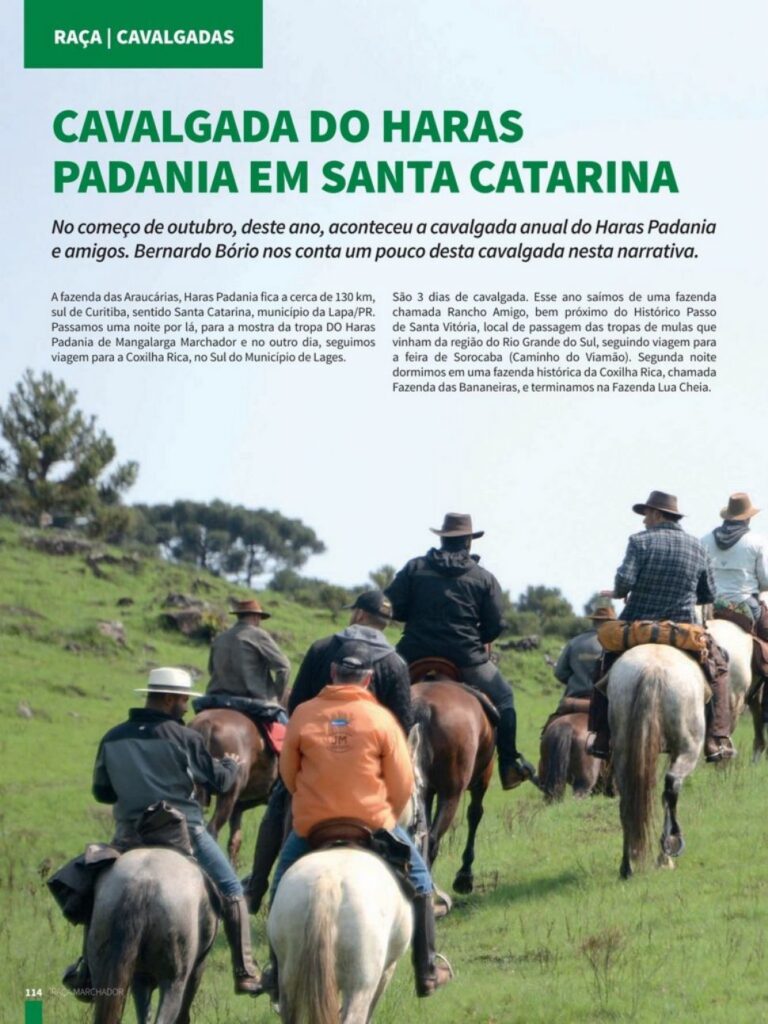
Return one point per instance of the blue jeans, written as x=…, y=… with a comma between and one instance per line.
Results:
x=296, y=846
x=213, y=860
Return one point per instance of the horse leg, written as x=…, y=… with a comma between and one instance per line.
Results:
x=141, y=990
x=358, y=1007
x=384, y=981
x=171, y=1001
x=758, y=742
x=190, y=991
x=464, y=882
x=225, y=805
x=446, y=812
x=235, y=834
x=672, y=844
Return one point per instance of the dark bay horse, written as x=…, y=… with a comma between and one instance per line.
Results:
x=563, y=757
x=456, y=756
x=152, y=928
x=227, y=731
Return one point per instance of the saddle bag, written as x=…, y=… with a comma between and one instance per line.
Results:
x=73, y=885
x=684, y=636
x=164, y=825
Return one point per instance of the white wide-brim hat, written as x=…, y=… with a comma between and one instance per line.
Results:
x=169, y=680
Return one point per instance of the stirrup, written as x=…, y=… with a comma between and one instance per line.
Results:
x=724, y=750
x=597, y=747
x=443, y=973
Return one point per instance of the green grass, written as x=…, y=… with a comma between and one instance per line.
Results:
x=551, y=935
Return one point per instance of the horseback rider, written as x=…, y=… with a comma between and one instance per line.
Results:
x=345, y=757
x=740, y=569
x=390, y=684
x=246, y=662
x=665, y=574
x=151, y=757
x=452, y=608
x=575, y=667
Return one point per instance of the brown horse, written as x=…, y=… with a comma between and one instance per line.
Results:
x=563, y=757
x=456, y=755
x=227, y=731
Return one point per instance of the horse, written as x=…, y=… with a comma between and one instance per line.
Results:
x=456, y=755
x=738, y=643
x=656, y=700
x=338, y=924
x=227, y=731
x=152, y=926
x=563, y=753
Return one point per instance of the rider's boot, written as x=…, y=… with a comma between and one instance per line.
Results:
x=77, y=977
x=237, y=927
x=268, y=843
x=429, y=973
x=718, y=746
x=513, y=768
x=599, y=738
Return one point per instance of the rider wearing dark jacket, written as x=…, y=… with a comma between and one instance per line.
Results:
x=390, y=684
x=452, y=609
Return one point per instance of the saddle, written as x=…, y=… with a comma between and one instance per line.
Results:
x=353, y=832
x=268, y=717
x=435, y=670
x=73, y=886
x=759, y=645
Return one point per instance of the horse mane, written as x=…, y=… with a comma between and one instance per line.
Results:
x=315, y=998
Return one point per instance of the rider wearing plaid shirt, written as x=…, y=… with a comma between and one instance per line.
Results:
x=665, y=574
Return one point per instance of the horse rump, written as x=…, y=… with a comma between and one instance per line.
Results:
x=302, y=935
x=555, y=759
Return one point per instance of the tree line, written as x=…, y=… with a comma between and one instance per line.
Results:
x=58, y=468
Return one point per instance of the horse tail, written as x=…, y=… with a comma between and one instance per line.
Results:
x=643, y=746
x=314, y=998
x=118, y=958
x=555, y=759
x=422, y=720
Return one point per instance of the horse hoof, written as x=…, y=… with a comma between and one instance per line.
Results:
x=442, y=903
x=665, y=863
x=463, y=884
x=673, y=845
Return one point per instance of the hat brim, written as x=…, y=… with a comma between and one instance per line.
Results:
x=643, y=508
x=356, y=607
x=743, y=515
x=264, y=615
x=457, y=533
x=163, y=689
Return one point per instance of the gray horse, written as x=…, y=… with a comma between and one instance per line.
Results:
x=152, y=927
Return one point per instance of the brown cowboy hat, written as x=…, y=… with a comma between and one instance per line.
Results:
x=661, y=502
x=250, y=607
x=457, y=524
x=739, y=507
x=603, y=614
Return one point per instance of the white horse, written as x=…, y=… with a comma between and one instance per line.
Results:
x=338, y=925
x=655, y=703
x=738, y=644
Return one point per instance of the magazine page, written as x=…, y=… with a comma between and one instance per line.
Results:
x=286, y=288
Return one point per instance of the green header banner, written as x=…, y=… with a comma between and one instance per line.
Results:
x=143, y=34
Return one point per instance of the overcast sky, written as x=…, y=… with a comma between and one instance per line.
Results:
x=551, y=479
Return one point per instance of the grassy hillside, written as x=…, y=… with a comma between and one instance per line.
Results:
x=550, y=935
